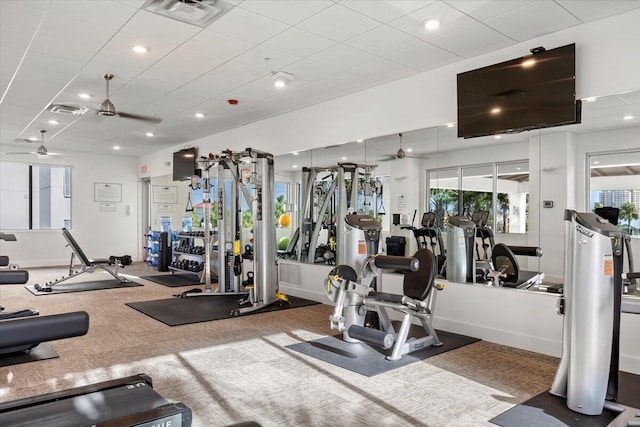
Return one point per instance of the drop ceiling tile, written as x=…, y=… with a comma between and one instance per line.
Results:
x=383, y=41
x=17, y=17
x=484, y=9
x=532, y=20
x=254, y=91
x=631, y=97
x=347, y=81
x=423, y=56
x=104, y=14
x=341, y=56
x=298, y=42
x=150, y=28
x=382, y=70
x=338, y=23
x=450, y=20
x=131, y=3
x=308, y=70
x=592, y=10
x=473, y=40
x=385, y=11
x=245, y=25
x=201, y=54
x=262, y=60
x=289, y=12
x=47, y=63
x=65, y=38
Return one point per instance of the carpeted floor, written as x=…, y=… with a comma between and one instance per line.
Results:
x=239, y=369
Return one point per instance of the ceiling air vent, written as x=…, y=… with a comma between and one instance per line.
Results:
x=196, y=12
x=69, y=109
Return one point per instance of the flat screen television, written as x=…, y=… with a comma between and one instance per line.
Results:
x=535, y=91
x=184, y=164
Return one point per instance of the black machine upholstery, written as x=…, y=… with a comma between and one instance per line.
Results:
x=80, y=253
x=417, y=284
x=505, y=261
x=30, y=331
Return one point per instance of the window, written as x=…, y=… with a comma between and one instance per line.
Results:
x=614, y=181
x=477, y=190
x=35, y=197
x=502, y=189
x=444, y=194
x=512, y=213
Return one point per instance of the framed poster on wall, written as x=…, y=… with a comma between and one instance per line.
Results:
x=165, y=194
x=107, y=192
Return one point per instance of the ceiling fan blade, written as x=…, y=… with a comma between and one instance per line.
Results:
x=138, y=117
x=21, y=152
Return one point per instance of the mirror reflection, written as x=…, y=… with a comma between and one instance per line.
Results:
x=419, y=183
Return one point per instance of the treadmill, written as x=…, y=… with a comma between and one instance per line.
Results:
x=129, y=401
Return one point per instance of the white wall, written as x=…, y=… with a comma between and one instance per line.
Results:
x=100, y=234
x=429, y=99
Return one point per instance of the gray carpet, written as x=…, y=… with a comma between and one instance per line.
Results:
x=369, y=360
x=66, y=287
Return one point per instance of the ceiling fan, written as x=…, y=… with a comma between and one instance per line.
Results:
x=401, y=153
x=42, y=150
x=108, y=109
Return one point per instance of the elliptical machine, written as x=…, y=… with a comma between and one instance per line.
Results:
x=587, y=375
x=354, y=294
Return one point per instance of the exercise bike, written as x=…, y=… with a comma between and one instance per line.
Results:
x=356, y=297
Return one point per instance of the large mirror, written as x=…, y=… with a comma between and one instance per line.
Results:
x=520, y=182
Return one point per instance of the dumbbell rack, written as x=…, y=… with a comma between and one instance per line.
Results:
x=188, y=256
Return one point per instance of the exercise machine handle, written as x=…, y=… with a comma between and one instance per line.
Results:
x=526, y=250
x=397, y=263
x=631, y=276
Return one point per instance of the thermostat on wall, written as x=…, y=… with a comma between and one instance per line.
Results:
x=547, y=203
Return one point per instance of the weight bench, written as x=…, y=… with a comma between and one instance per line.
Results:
x=418, y=300
x=88, y=265
x=505, y=262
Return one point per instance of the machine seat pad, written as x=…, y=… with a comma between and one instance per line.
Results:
x=96, y=261
x=37, y=329
x=14, y=277
x=382, y=296
x=344, y=272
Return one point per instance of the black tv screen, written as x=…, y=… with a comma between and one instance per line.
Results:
x=184, y=164
x=531, y=92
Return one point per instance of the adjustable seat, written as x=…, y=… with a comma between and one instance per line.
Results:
x=418, y=300
x=88, y=265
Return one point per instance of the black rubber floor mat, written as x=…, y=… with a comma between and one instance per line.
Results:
x=368, y=360
x=547, y=410
x=183, y=311
x=42, y=352
x=174, y=280
x=95, y=285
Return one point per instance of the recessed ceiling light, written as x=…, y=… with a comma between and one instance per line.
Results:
x=344, y=158
x=431, y=24
x=519, y=168
x=359, y=140
x=53, y=122
x=140, y=49
x=596, y=163
x=498, y=136
x=496, y=110
x=590, y=99
x=295, y=166
x=281, y=79
x=84, y=95
x=295, y=153
x=33, y=138
x=199, y=115
x=150, y=134
x=116, y=147
x=628, y=117
x=409, y=150
x=450, y=125
x=528, y=63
